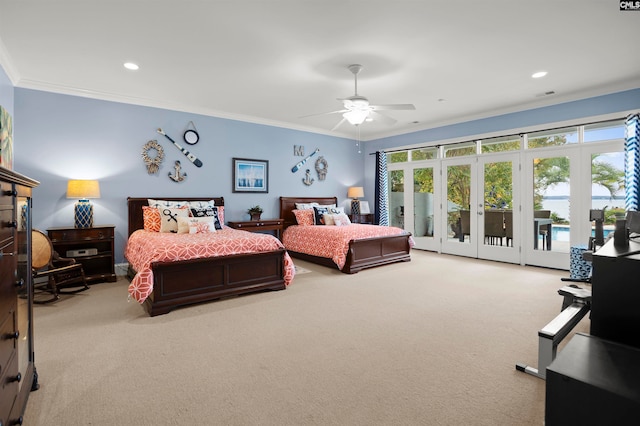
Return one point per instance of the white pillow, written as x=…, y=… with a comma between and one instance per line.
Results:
x=306, y=206
x=328, y=219
x=166, y=204
x=195, y=225
x=335, y=210
x=201, y=204
x=169, y=218
x=341, y=219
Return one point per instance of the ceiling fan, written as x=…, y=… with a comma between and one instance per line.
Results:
x=357, y=109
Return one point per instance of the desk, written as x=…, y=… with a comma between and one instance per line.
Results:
x=260, y=225
x=536, y=231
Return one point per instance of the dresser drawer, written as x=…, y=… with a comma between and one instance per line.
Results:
x=8, y=389
x=7, y=228
x=7, y=341
x=61, y=235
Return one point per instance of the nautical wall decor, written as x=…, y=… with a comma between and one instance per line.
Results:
x=307, y=180
x=191, y=136
x=153, y=162
x=301, y=163
x=177, y=177
x=189, y=155
x=322, y=167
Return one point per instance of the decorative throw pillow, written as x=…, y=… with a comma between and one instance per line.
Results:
x=169, y=218
x=341, y=219
x=201, y=204
x=335, y=210
x=319, y=213
x=209, y=211
x=304, y=217
x=195, y=225
x=166, y=204
x=151, y=218
x=328, y=219
x=306, y=206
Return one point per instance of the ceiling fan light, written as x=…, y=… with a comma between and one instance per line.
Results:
x=356, y=116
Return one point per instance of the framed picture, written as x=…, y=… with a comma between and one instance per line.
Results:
x=6, y=139
x=250, y=175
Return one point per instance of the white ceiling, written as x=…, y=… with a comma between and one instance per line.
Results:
x=273, y=61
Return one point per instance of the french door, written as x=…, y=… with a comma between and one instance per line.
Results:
x=482, y=207
x=414, y=202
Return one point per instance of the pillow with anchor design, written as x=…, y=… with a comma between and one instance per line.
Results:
x=169, y=218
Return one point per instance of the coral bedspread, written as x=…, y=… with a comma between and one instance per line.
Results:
x=333, y=241
x=145, y=247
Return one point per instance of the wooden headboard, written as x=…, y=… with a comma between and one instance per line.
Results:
x=288, y=204
x=136, y=220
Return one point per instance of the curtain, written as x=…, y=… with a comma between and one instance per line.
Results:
x=632, y=163
x=382, y=190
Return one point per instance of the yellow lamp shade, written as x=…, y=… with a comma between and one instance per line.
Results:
x=355, y=192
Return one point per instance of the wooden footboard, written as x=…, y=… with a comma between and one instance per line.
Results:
x=372, y=252
x=367, y=253
x=201, y=280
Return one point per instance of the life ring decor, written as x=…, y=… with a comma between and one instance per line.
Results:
x=153, y=163
x=322, y=167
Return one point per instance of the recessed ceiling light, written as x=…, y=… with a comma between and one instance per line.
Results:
x=539, y=74
x=131, y=66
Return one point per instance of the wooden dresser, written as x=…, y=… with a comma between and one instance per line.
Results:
x=17, y=372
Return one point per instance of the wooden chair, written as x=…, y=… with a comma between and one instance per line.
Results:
x=465, y=224
x=51, y=273
x=494, y=226
x=508, y=227
x=544, y=229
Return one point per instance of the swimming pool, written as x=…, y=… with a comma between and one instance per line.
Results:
x=561, y=232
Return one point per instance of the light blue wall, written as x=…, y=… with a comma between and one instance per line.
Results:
x=61, y=137
x=600, y=105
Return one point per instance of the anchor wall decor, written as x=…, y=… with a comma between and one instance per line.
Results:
x=177, y=177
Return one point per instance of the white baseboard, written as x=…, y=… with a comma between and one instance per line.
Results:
x=121, y=269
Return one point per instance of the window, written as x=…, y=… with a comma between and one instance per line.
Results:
x=460, y=149
x=424, y=154
x=554, y=137
x=609, y=130
x=502, y=144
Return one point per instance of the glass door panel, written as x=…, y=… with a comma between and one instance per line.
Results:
x=551, y=223
x=459, y=222
x=396, y=198
x=423, y=202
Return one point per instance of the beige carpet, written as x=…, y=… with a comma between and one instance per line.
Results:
x=430, y=342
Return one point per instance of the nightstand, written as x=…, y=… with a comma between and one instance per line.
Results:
x=93, y=247
x=260, y=225
x=361, y=218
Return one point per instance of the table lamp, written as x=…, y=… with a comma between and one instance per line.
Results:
x=83, y=190
x=354, y=193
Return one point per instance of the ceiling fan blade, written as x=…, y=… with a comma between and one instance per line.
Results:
x=339, y=124
x=325, y=113
x=385, y=119
x=393, y=106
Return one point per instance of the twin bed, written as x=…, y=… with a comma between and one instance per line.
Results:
x=243, y=262
x=364, y=246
